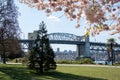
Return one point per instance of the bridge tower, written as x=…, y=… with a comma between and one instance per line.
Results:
x=84, y=50
x=87, y=46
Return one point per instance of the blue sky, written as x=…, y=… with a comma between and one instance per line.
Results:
x=30, y=18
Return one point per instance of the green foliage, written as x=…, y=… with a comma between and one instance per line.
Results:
x=111, y=40
x=117, y=64
x=42, y=56
x=85, y=61
x=80, y=61
x=65, y=62
x=31, y=63
x=19, y=60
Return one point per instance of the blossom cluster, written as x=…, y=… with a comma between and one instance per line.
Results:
x=102, y=14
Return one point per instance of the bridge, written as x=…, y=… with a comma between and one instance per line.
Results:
x=84, y=46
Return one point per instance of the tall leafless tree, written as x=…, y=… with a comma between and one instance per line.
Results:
x=9, y=28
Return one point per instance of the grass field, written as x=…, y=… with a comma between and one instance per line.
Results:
x=20, y=72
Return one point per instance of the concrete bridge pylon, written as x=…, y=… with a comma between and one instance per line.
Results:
x=84, y=50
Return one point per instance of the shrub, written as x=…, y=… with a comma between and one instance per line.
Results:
x=64, y=62
x=19, y=60
x=117, y=64
x=80, y=61
x=85, y=61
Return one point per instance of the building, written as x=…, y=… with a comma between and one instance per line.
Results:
x=32, y=36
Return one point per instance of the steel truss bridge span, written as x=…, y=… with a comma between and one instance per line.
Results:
x=26, y=41
x=56, y=38
x=65, y=37
x=84, y=46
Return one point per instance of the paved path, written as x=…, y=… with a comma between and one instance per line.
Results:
x=90, y=65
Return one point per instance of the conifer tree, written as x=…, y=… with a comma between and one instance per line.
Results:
x=42, y=56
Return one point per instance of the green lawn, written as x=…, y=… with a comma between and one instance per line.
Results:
x=20, y=72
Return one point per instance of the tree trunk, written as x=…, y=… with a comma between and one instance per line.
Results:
x=4, y=60
x=41, y=67
x=109, y=59
x=111, y=46
x=3, y=48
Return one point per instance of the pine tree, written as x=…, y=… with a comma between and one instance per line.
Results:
x=42, y=55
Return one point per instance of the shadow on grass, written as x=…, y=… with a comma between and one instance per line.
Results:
x=16, y=72
x=22, y=73
x=66, y=76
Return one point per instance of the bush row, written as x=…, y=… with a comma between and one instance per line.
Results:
x=81, y=61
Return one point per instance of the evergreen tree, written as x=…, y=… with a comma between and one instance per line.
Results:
x=42, y=56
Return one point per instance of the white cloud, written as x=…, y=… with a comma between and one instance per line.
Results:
x=53, y=18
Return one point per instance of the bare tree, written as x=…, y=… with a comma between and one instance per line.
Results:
x=9, y=28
